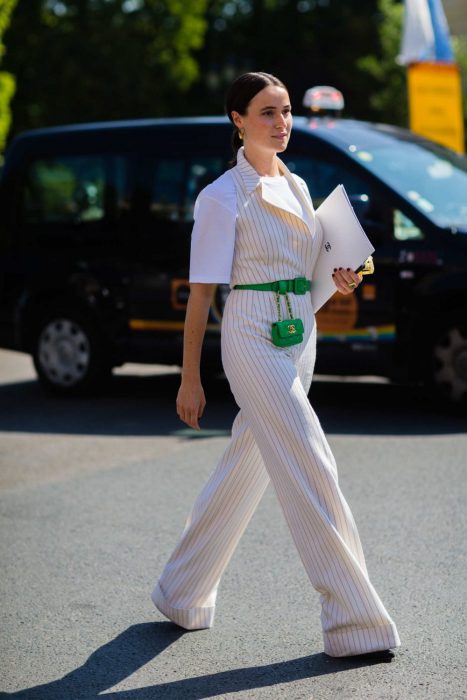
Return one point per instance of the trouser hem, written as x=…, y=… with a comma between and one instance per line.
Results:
x=188, y=618
x=360, y=640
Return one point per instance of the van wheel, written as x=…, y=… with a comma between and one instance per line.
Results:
x=448, y=362
x=68, y=353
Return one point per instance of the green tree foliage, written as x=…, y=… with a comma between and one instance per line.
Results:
x=387, y=79
x=84, y=60
x=304, y=42
x=7, y=80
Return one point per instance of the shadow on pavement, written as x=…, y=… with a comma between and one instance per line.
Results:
x=145, y=405
x=140, y=644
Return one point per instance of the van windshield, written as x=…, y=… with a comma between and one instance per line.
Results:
x=434, y=179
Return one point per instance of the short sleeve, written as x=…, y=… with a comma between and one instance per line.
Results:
x=212, y=241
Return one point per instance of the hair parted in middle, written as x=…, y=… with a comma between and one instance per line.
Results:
x=239, y=96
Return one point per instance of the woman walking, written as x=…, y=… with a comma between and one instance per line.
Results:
x=255, y=229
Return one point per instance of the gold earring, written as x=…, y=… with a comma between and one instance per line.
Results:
x=241, y=133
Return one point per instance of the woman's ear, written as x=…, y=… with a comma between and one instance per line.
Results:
x=237, y=119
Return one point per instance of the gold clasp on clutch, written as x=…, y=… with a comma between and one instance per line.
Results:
x=368, y=267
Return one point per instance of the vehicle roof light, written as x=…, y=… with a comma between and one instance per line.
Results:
x=323, y=97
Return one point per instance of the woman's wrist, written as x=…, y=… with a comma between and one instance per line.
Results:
x=191, y=376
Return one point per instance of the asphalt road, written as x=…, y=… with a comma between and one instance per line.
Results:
x=94, y=493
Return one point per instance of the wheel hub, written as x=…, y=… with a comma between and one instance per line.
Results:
x=460, y=362
x=64, y=352
x=451, y=355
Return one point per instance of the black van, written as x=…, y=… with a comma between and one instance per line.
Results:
x=95, y=233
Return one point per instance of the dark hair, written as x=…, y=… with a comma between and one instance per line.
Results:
x=239, y=96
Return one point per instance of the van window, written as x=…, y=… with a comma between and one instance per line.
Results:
x=323, y=176
x=201, y=172
x=431, y=177
x=71, y=189
x=166, y=188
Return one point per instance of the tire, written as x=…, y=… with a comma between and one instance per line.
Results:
x=447, y=362
x=69, y=353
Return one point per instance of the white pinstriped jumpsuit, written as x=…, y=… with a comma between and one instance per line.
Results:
x=276, y=437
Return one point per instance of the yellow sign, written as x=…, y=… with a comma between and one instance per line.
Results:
x=435, y=103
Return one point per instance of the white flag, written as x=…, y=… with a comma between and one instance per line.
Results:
x=426, y=33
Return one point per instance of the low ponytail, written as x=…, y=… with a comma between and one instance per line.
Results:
x=235, y=142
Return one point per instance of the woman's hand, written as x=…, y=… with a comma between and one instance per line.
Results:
x=346, y=280
x=191, y=402
x=190, y=398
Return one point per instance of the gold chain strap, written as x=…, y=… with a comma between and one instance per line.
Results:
x=278, y=304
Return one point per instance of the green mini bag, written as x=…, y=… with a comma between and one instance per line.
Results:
x=288, y=331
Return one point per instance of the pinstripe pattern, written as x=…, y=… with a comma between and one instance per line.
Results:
x=270, y=243
x=276, y=437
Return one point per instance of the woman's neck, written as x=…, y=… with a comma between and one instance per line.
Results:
x=264, y=163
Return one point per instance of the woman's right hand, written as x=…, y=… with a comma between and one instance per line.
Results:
x=191, y=402
x=190, y=398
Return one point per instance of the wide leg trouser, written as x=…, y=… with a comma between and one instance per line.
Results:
x=276, y=437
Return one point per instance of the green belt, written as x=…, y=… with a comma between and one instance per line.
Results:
x=299, y=285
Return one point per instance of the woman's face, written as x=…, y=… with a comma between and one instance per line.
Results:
x=268, y=121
